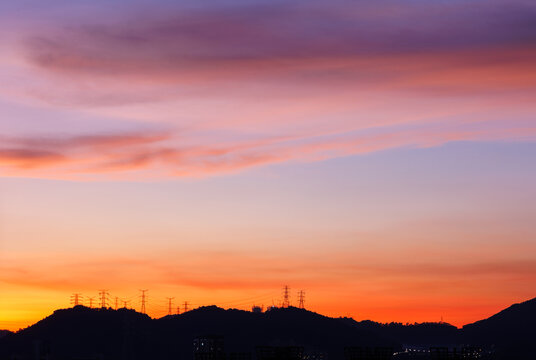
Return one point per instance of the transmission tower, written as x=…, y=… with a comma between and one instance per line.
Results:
x=178, y=310
x=91, y=302
x=185, y=306
x=143, y=301
x=286, y=296
x=76, y=299
x=169, y=301
x=103, y=294
x=301, y=299
x=116, y=303
x=125, y=303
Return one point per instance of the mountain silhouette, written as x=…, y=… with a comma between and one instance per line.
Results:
x=512, y=331
x=84, y=333
x=4, y=333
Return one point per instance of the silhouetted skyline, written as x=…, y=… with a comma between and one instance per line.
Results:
x=378, y=155
x=286, y=333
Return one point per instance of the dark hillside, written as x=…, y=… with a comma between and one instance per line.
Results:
x=511, y=331
x=83, y=333
x=125, y=334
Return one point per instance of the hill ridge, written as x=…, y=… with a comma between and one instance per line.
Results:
x=128, y=334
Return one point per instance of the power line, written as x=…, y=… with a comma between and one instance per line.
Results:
x=143, y=301
x=248, y=300
x=76, y=299
x=91, y=302
x=301, y=299
x=286, y=296
x=169, y=299
x=103, y=298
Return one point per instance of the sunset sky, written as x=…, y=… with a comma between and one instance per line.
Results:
x=378, y=154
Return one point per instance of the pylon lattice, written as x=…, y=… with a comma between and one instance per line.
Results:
x=76, y=299
x=286, y=296
x=170, y=304
x=301, y=299
x=103, y=294
x=143, y=301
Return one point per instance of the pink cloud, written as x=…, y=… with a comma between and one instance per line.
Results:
x=161, y=156
x=254, y=86
x=28, y=158
x=374, y=46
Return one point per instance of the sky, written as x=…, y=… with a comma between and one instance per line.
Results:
x=378, y=155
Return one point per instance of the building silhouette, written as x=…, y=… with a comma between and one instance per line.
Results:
x=280, y=352
x=368, y=353
x=315, y=355
x=257, y=309
x=239, y=356
x=209, y=347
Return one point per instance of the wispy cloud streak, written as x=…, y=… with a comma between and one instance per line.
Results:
x=312, y=78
